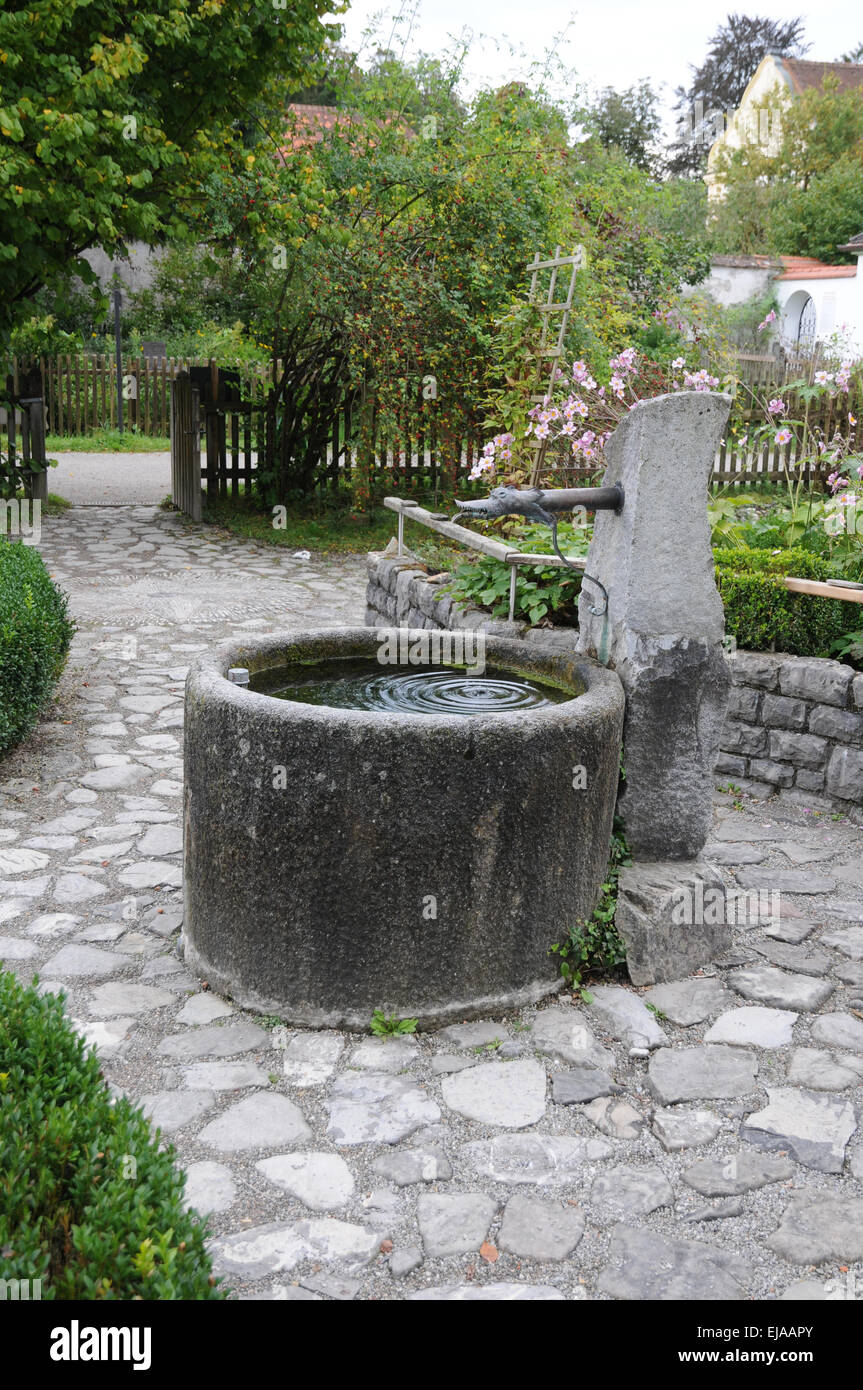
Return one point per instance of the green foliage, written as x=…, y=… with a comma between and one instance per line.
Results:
x=762, y=615
x=391, y=1027
x=805, y=196
x=849, y=647
x=34, y=638
x=596, y=945
x=539, y=593
x=88, y=1202
x=41, y=336
x=112, y=116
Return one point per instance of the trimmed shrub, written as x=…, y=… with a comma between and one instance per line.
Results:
x=762, y=615
x=88, y=1202
x=35, y=633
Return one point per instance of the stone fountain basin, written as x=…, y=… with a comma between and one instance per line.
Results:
x=338, y=861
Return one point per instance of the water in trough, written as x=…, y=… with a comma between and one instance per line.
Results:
x=366, y=685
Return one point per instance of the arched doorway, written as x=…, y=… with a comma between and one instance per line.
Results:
x=799, y=321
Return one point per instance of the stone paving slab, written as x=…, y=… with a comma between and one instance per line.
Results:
x=535, y=1156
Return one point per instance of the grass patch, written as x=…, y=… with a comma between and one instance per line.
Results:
x=329, y=528
x=107, y=442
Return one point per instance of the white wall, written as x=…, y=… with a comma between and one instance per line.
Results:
x=134, y=274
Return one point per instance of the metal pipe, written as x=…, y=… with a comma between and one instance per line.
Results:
x=593, y=499
x=118, y=358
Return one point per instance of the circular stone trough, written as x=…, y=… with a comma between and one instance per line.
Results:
x=341, y=860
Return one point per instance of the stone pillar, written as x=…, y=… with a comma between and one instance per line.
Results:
x=664, y=625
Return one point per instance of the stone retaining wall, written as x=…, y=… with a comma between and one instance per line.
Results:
x=794, y=724
x=795, y=721
x=400, y=594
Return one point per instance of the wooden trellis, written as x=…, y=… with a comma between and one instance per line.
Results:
x=550, y=348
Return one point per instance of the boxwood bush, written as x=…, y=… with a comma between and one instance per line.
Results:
x=88, y=1202
x=35, y=633
x=762, y=615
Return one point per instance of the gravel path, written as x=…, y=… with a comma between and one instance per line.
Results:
x=89, y=480
x=572, y=1151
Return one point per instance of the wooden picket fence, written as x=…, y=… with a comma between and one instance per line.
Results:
x=80, y=396
x=219, y=439
x=80, y=391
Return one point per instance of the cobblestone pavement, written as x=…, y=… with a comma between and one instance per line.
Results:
x=708, y=1149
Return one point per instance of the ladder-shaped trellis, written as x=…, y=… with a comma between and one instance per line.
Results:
x=550, y=347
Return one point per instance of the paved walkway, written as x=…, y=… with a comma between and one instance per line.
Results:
x=89, y=480
x=571, y=1151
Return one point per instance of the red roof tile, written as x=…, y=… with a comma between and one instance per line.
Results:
x=803, y=74
x=807, y=268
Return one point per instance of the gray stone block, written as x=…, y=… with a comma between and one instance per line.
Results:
x=552, y=639
x=443, y=609
x=404, y=595
x=755, y=668
x=815, y=678
x=845, y=774
x=664, y=624
x=780, y=712
x=857, y=692
x=808, y=780
x=803, y=750
x=468, y=619
x=424, y=597
x=743, y=738
x=743, y=703
x=843, y=725
x=777, y=774
x=729, y=763
x=672, y=918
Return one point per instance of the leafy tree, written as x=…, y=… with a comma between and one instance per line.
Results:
x=718, y=84
x=628, y=121
x=854, y=55
x=806, y=198
x=111, y=114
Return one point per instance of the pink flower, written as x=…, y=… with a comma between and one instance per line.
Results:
x=783, y=436
x=771, y=318
x=776, y=406
x=700, y=381
x=624, y=363
x=581, y=374
x=678, y=364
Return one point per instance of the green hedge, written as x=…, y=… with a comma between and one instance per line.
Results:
x=34, y=638
x=88, y=1203
x=762, y=615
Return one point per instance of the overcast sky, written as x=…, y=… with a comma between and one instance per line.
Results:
x=607, y=42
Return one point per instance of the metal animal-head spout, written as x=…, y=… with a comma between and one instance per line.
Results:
x=504, y=501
